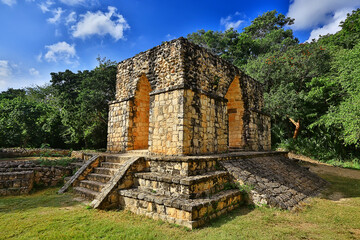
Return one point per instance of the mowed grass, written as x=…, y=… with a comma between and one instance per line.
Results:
x=46, y=215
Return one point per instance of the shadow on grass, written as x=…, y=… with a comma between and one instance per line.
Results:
x=41, y=198
x=340, y=187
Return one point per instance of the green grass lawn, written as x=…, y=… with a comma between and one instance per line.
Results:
x=46, y=215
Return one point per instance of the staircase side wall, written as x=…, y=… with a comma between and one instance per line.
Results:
x=118, y=126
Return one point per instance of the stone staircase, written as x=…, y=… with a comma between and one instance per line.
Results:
x=94, y=182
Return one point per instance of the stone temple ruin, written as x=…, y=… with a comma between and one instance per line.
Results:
x=179, y=99
x=186, y=136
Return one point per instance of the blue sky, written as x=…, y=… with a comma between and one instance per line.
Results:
x=42, y=36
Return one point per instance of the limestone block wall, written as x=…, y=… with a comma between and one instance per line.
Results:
x=118, y=126
x=19, y=177
x=217, y=77
x=166, y=134
x=16, y=183
x=205, y=124
x=162, y=65
x=199, y=103
x=259, y=135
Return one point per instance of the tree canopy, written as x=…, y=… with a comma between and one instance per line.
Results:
x=313, y=84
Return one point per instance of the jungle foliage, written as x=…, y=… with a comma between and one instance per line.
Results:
x=71, y=112
x=316, y=84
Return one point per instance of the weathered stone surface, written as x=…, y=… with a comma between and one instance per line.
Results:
x=81, y=173
x=178, y=98
x=18, y=177
x=276, y=181
x=190, y=190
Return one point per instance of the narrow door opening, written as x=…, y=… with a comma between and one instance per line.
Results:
x=235, y=108
x=140, y=128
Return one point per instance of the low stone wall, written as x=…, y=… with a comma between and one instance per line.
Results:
x=16, y=183
x=19, y=177
x=25, y=152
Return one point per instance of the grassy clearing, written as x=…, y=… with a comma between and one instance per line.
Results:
x=46, y=215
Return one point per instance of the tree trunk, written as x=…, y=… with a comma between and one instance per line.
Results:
x=297, y=127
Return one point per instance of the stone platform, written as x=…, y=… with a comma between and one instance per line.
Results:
x=190, y=190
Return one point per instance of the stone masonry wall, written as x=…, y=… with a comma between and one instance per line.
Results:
x=18, y=177
x=118, y=126
x=205, y=124
x=259, y=132
x=162, y=65
x=200, y=123
x=16, y=183
x=167, y=123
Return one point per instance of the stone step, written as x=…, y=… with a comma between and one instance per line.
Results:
x=104, y=178
x=111, y=165
x=92, y=185
x=106, y=171
x=187, y=187
x=85, y=193
x=116, y=159
x=186, y=212
x=184, y=167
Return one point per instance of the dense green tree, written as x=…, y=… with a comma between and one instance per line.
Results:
x=83, y=102
x=26, y=123
x=265, y=34
x=313, y=85
x=12, y=93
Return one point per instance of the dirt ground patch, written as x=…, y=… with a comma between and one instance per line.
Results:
x=323, y=168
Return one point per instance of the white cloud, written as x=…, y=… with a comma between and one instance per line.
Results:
x=33, y=72
x=57, y=15
x=309, y=14
x=332, y=27
x=72, y=2
x=9, y=2
x=170, y=37
x=5, y=73
x=70, y=18
x=5, y=70
x=39, y=57
x=61, y=51
x=99, y=23
x=228, y=22
x=44, y=6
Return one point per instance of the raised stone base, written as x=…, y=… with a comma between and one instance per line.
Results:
x=190, y=213
x=190, y=190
